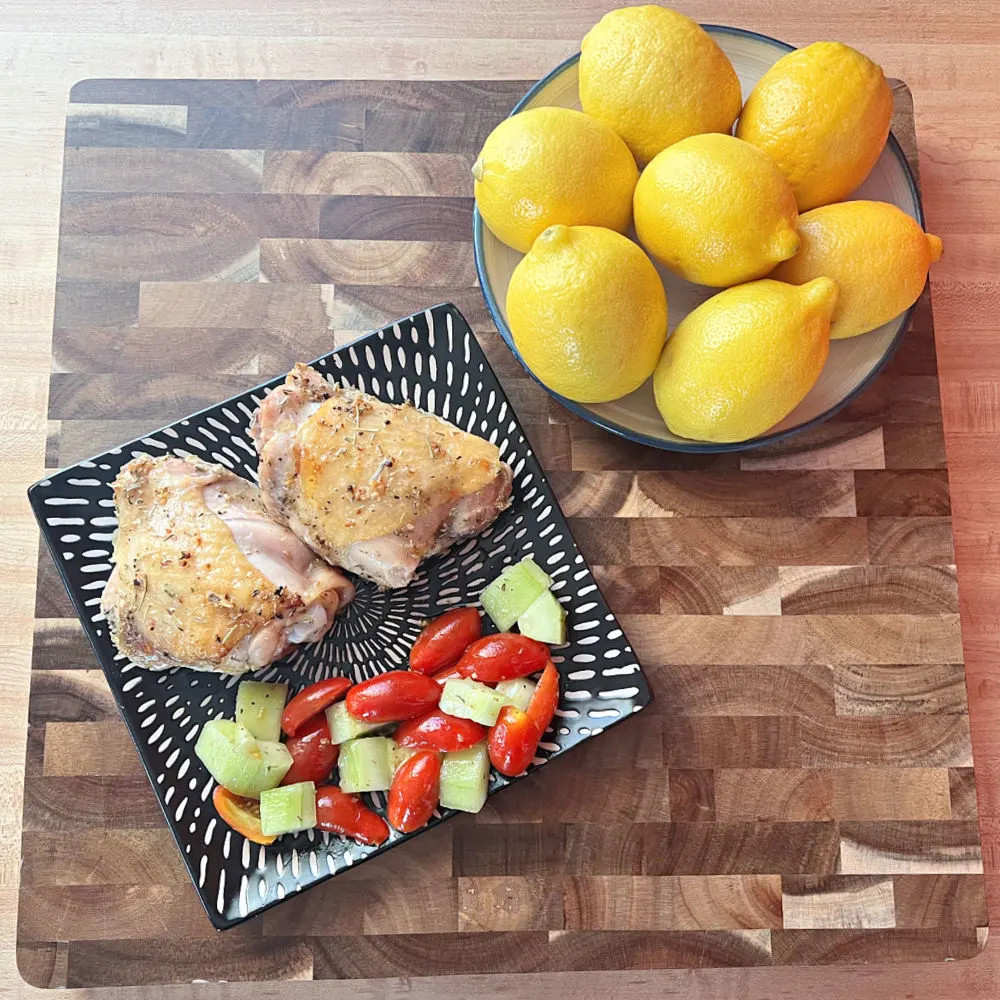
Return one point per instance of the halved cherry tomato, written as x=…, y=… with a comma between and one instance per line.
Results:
x=313, y=755
x=393, y=697
x=437, y=731
x=448, y=674
x=243, y=815
x=311, y=701
x=513, y=740
x=445, y=639
x=339, y=812
x=415, y=791
x=503, y=657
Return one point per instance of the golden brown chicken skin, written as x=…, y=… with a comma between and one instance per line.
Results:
x=372, y=487
x=204, y=577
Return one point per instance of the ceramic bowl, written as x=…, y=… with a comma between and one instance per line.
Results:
x=852, y=364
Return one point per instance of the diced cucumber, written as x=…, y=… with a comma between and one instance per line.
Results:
x=465, y=779
x=512, y=593
x=343, y=725
x=239, y=762
x=366, y=764
x=259, y=707
x=468, y=699
x=517, y=692
x=400, y=755
x=545, y=620
x=534, y=570
x=288, y=809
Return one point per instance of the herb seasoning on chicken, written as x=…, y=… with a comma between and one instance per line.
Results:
x=370, y=486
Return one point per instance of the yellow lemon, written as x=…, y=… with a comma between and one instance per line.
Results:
x=744, y=359
x=822, y=114
x=588, y=313
x=716, y=210
x=876, y=253
x=656, y=76
x=552, y=166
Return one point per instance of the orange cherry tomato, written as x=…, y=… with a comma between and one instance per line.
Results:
x=242, y=814
x=503, y=657
x=444, y=639
x=311, y=701
x=339, y=812
x=415, y=791
x=436, y=730
x=513, y=740
x=313, y=755
x=393, y=697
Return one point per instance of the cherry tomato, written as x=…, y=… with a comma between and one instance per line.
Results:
x=311, y=701
x=243, y=815
x=445, y=639
x=393, y=697
x=339, y=812
x=415, y=791
x=513, y=740
x=313, y=755
x=503, y=657
x=448, y=674
x=437, y=731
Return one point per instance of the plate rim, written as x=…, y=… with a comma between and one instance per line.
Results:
x=218, y=920
x=690, y=447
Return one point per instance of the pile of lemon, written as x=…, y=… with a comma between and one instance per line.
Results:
x=586, y=306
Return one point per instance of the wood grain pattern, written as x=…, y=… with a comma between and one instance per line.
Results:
x=802, y=790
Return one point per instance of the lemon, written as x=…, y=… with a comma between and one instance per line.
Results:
x=588, y=313
x=876, y=253
x=822, y=114
x=716, y=210
x=549, y=166
x=744, y=359
x=656, y=76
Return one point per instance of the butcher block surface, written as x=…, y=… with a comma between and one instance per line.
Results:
x=801, y=792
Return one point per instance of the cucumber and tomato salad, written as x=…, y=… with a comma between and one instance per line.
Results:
x=465, y=704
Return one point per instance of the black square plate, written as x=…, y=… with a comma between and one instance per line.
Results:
x=434, y=360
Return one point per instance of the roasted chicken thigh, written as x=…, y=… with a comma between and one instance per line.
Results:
x=372, y=487
x=204, y=577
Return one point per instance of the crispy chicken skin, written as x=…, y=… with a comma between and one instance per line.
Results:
x=204, y=577
x=372, y=487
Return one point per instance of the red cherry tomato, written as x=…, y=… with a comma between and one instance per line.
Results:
x=339, y=812
x=445, y=639
x=393, y=697
x=243, y=815
x=311, y=701
x=448, y=674
x=503, y=657
x=437, y=731
x=313, y=755
x=513, y=740
x=415, y=791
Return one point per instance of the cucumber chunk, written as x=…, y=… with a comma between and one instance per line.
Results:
x=288, y=809
x=343, y=725
x=535, y=571
x=400, y=755
x=366, y=765
x=545, y=620
x=468, y=699
x=517, y=692
x=239, y=762
x=465, y=779
x=259, y=707
x=513, y=592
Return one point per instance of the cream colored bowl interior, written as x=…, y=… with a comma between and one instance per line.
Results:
x=850, y=362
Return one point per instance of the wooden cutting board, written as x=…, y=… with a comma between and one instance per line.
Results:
x=802, y=790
